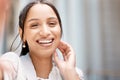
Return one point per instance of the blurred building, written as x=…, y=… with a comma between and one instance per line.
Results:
x=4, y=10
x=92, y=27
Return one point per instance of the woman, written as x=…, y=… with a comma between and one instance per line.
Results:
x=40, y=30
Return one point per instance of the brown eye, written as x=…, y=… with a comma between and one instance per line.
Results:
x=52, y=24
x=34, y=25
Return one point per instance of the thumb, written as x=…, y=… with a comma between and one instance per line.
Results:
x=57, y=60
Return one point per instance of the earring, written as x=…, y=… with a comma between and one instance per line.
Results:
x=23, y=45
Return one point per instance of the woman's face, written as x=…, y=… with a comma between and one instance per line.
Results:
x=42, y=30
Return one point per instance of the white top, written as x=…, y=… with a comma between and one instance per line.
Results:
x=23, y=69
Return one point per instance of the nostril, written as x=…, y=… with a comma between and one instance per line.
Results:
x=44, y=32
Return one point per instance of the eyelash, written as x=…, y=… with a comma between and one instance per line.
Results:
x=34, y=25
x=52, y=24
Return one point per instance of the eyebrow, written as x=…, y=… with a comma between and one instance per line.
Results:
x=32, y=19
x=35, y=19
x=52, y=18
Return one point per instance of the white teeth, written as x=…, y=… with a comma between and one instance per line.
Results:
x=44, y=41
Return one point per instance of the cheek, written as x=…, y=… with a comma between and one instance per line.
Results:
x=30, y=35
x=58, y=31
x=58, y=35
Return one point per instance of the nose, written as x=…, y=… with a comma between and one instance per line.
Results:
x=44, y=31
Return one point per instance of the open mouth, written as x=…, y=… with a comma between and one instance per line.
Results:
x=45, y=41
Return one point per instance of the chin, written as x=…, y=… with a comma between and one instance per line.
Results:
x=48, y=51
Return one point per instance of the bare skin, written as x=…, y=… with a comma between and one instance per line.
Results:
x=45, y=66
x=66, y=66
x=43, y=35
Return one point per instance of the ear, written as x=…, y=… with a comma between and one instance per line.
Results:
x=21, y=33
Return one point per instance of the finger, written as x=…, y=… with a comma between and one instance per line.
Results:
x=67, y=51
x=56, y=58
x=63, y=47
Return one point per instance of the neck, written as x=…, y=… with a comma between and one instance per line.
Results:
x=42, y=66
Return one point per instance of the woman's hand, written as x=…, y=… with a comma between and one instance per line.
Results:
x=66, y=66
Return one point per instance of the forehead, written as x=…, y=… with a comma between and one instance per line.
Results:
x=41, y=10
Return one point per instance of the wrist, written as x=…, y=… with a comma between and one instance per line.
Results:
x=70, y=74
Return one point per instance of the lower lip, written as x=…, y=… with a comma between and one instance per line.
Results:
x=46, y=45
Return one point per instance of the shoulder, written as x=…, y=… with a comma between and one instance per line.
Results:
x=9, y=58
x=11, y=64
x=10, y=54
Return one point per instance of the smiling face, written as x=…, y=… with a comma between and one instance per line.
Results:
x=42, y=30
